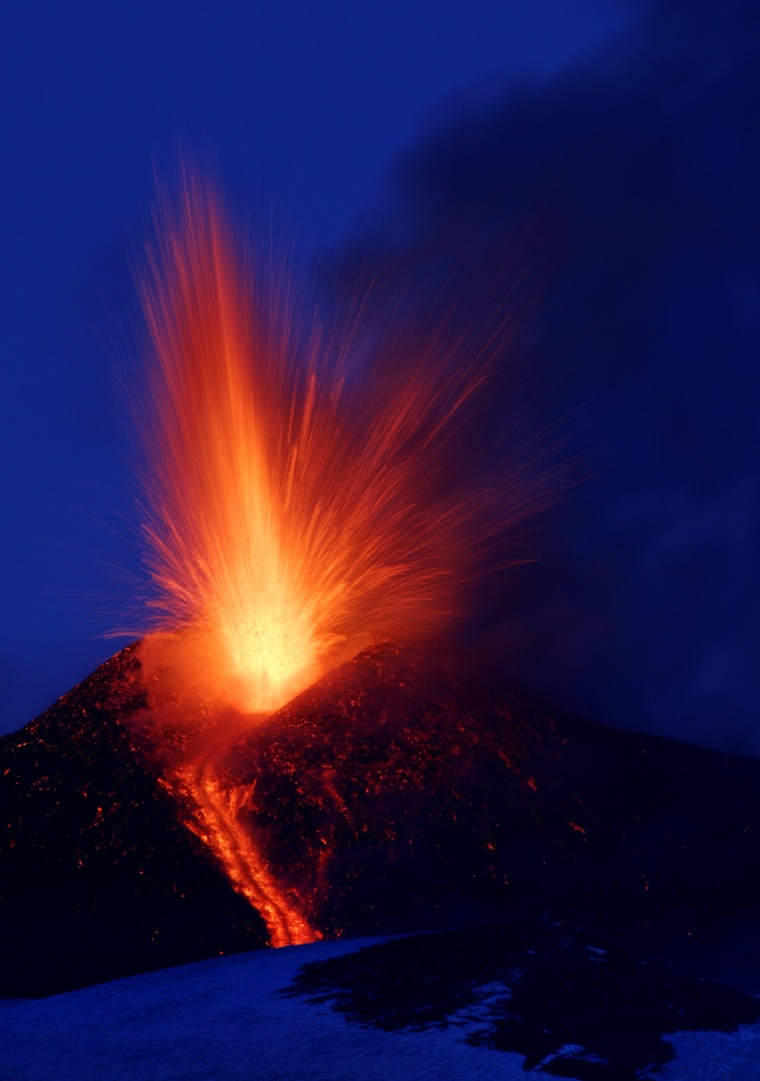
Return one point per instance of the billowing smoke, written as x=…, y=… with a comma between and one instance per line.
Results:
x=614, y=213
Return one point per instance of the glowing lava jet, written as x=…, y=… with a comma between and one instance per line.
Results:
x=297, y=487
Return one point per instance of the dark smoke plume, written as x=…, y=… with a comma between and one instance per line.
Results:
x=614, y=213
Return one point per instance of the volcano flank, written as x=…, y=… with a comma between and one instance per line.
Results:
x=404, y=791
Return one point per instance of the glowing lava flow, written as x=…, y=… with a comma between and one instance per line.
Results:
x=215, y=821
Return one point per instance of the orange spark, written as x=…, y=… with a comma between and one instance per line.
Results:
x=296, y=493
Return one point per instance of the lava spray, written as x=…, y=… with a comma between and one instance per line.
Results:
x=297, y=488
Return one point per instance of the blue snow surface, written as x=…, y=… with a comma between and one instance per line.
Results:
x=226, y=1019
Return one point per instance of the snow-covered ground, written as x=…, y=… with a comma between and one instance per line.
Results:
x=226, y=1019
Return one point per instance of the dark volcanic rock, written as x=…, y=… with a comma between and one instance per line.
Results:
x=404, y=791
x=407, y=791
x=98, y=879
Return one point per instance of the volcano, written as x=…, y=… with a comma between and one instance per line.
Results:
x=406, y=790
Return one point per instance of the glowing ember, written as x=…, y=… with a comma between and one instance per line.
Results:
x=297, y=495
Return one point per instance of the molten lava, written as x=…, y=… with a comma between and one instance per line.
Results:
x=215, y=818
x=297, y=489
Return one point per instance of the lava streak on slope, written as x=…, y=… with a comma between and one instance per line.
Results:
x=406, y=790
x=212, y=813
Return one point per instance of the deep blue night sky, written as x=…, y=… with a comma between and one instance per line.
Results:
x=614, y=147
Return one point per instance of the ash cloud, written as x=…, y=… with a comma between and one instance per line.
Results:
x=614, y=211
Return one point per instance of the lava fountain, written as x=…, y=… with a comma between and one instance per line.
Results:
x=298, y=500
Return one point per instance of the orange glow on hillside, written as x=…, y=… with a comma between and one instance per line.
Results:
x=296, y=494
